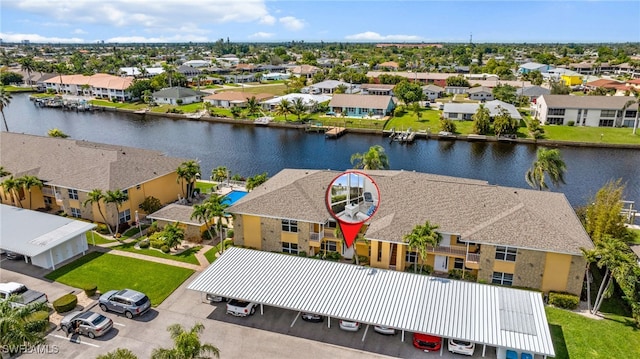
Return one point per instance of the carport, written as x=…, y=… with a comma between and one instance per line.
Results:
x=44, y=238
x=500, y=317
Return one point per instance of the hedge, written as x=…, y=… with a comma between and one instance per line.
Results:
x=563, y=300
x=90, y=290
x=65, y=303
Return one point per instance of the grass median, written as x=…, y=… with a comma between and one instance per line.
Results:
x=109, y=272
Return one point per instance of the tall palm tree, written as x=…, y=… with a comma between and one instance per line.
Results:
x=11, y=186
x=116, y=197
x=188, y=171
x=629, y=104
x=62, y=69
x=202, y=213
x=421, y=237
x=255, y=181
x=283, y=108
x=5, y=100
x=187, y=345
x=220, y=173
x=28, y=182
x=549, y=164
x=96, y=196
x=216, y=206
x=170, y=70
x=253, y=107
x=481, y=120
x=298, y=107
x=374, y=159
x=27, y=64
x=17, y=328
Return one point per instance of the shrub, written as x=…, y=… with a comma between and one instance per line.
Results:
x=123, y=227
x=456, y=274
x=102, y=229
x=165, y=248
x=571, y=123
x=563, y=300
x=153, y=228
x=144, y=243
x=150, y=204
x=447, y=125
x=90, y=290
x=302, y=254
x=65, y=303
x=333, y=256
x=230, y=233
x=37, y=321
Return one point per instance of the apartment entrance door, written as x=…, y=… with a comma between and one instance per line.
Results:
x=441, y=264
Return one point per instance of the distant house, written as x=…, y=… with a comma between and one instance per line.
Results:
x=246, y=67
x=532, y=92
x=307, y=99
x=349, y=105
x=228, y=99
x=197, y=63
x=534, y=66
x=432, y=92
x=571, y=80
x=377, y=89
x=389, y=65
x=274, y=76
x=464, y=111
x=306, y=71
x=480, y=93
x=456, y=90
x=330, y=86
x=138, y=72
x=102, y=86
x=188, y=71
x=594, y=111
x=177, y=96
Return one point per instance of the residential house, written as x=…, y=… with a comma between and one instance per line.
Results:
x=330, y=86
x=501, y=235
x=306, y=71
x=532, y=92
x=177, y=96
x=240, y=78
x=246, y=68
x=534, y=66
x=349, y=105
x=308, y=100
x=593, y=111
x=228, y=99
x=480, y=94
x=425, y=78
x=102, y=86
x=70, y=169
x=197, y=63
x=456, y=90
x=464, y=111
x=377, y=89
x=432, y=92
x=188, y=71
x=180, y=215
x=274, y=76
x=627, y=69
x=388, y=65
x=571, y=79
x=138, y=72
x=584, y=68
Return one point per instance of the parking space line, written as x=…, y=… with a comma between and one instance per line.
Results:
x=294, y=320
x=365, y=332
x=76, y=341
x=122, y=325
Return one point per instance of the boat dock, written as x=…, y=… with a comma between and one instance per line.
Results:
x=403, y=136
x=335, y=132
x=318, y=127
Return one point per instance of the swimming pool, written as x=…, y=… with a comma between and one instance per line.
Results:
x=234, y=196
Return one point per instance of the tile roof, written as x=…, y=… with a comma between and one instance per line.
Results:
x=588, y=102
x=97, y=81
x=471, y=108
x=477, y=211
x=377, y=86
x=80, y=164
x=603, y=83
x=304, y=69
x=362, y=101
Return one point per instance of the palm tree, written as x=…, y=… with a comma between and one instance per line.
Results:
x=119, y=353
x=11, y=186
x=188, y=171
x=374, y=159
x=27, y=64
x=255, y=181
x=173, y=235
x=187, y=344
x=28, y=182
x=629, y=104
x=56, y=132
x=5, y=100
x=61, y=68
x=252, y=106
x=283, y=108
x=220, y=173
x=96, y=196
x=548, y=163
x=170, y=70
x=202, y=213
x=421, y=237
x=17, y=328
x=116, y=197
x=298, y=107
x=481, y=120
x=216, y=206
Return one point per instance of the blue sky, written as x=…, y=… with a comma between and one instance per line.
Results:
x=89, y=21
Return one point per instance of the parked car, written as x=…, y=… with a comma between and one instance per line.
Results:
x=215, y=298
x=314, y=318
x=14, y=255
x=427, y=342
x=349, y=326
x=20, y=295
x=88, y=323
x=384, y=330
x=461, y=347
x=240, y=308
x=126, y=301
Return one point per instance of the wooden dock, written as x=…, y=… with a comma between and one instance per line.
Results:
x=335, y=132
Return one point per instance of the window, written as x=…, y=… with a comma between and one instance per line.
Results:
x=630, y=114
x=126, y=192
x=124, y=216
x=329, y=246
x=506, y=254
x=73, y=193
x=555, y=120
x=458, y=263
x=502, y=278
x=289, y=225
x=608, y=113
x=556, y=112
x=411, y=257
x=75, y=212
x=605, y=123
x=290, y=248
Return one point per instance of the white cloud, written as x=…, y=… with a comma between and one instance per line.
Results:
x=12, y=37
x=268, y=20
x=79, y=32
x=374, y=36
x=291, y=23
x=143, y=39
x=261, y=35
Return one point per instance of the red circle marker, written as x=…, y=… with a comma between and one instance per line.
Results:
x=352, y=199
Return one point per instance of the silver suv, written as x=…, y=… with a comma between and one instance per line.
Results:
x=127, y=301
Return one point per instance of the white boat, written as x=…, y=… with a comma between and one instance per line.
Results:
x=263, y=120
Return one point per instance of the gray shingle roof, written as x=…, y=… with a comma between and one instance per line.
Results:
x=479, y=212
x=362, y=101
x=532, y=91
x=178, y=92
x=176, y=213
x=588, y=102
x=82, y=165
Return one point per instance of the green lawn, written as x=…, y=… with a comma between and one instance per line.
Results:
x=188, y=256
x=205, y=187
x=92, y=236
x=429, y=121
x=109, y=272
x=211, y=254
x=14, y=89
x=591, y=134
x=577, y=337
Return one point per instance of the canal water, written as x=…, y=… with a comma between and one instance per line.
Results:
x=249, y=150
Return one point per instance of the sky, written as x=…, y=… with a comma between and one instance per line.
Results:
x=160, y=21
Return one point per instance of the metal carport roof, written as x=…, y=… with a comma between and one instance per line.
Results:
x=484, y=314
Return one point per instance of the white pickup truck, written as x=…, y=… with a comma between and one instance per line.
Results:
x=22, y=295
x=240, y=308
